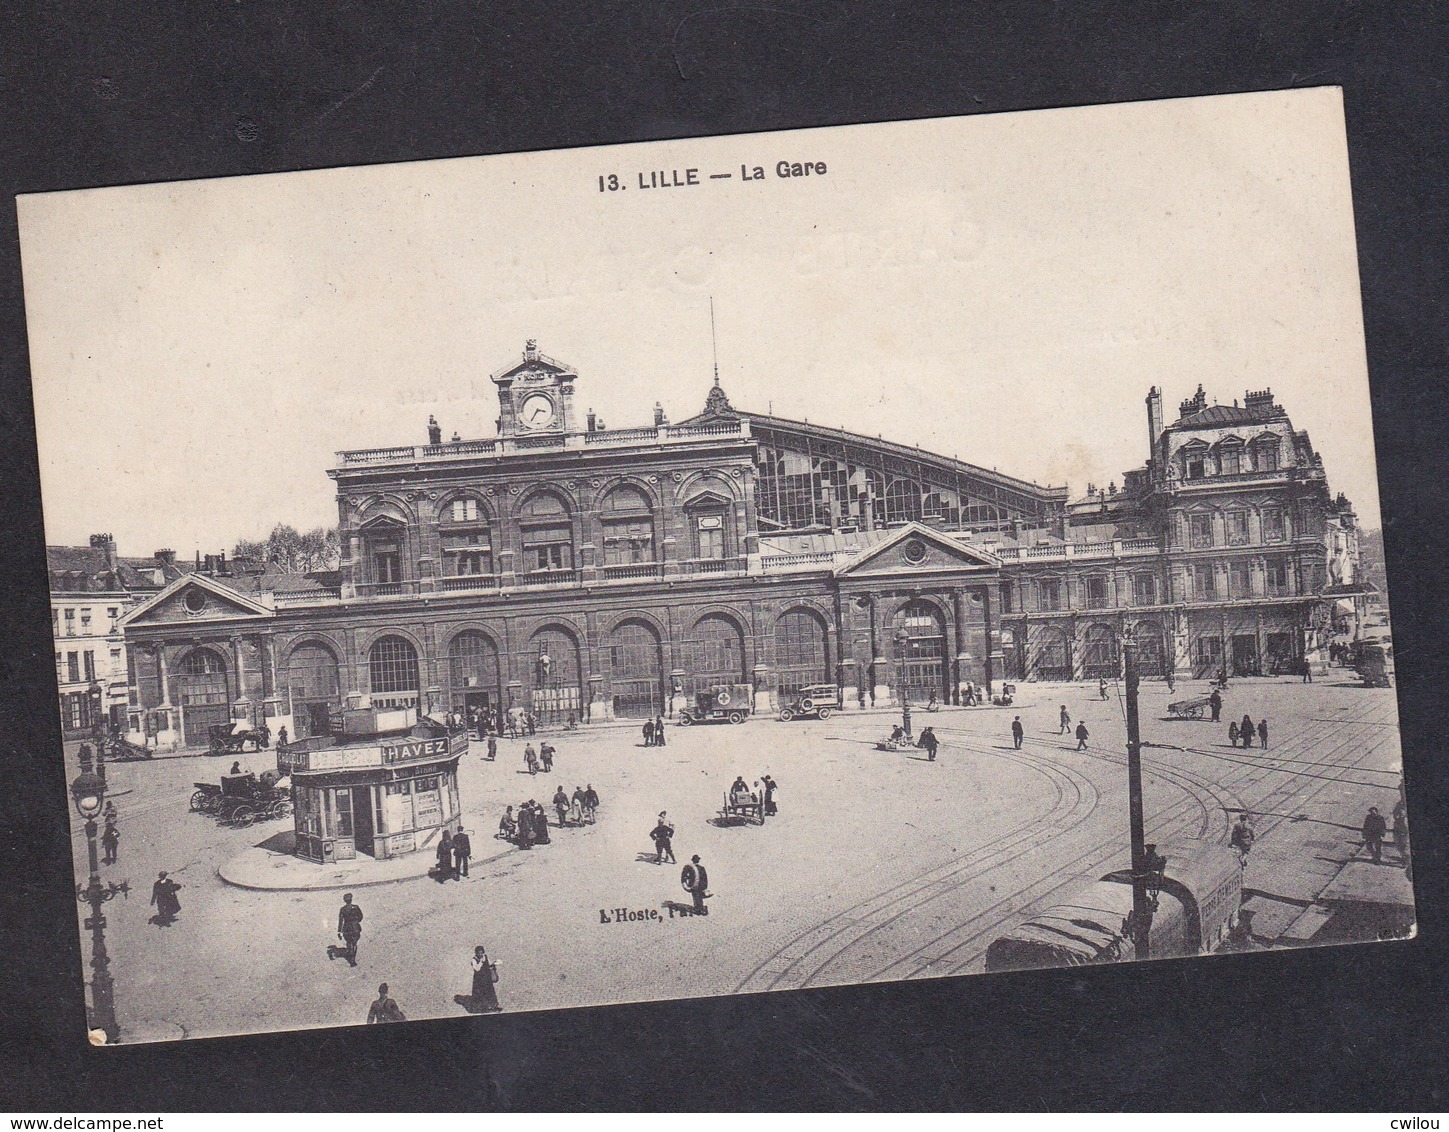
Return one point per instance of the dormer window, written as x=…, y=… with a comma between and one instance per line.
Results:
x=1230, y=459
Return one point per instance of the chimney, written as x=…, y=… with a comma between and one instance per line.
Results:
x=1154, y=420
x=659, y=418
x=1260, y=400
x=221, y=567
x=166, y=557
x=593, y=422
x=108, y=544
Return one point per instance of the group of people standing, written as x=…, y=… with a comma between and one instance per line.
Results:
x=534, y=760
x=1245, y=730
x=654, y=732
x=454, y=851
x=529, y=826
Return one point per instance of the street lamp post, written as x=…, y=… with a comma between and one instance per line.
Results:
x=1148, y=865
x=902, y=639
x=89, y=793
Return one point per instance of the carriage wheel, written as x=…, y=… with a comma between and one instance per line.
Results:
x=1196, y=713
x=198, y=802
x=243, y=816
x=737, y=717
x=825, y=713
x=786, y=715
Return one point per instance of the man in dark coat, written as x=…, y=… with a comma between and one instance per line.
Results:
x=1374, y=828
x=700, y=888
x=384, y=1009
x=770, y=787
x=1245, y=730
x=445, y=856
x=1263, y=733
x=163, y=896
x=649, y=733
x=462, y=850
x=591, y=802
x=661, y=835
x=659, y=731
x=540, y=824
x=349, y=931
x=561, y=805
x=1081, y=736
x=1066, y=719
x=1215, y=701
x=928, y=742
x=492, y=747
x=109, y=840
x=1017, y=732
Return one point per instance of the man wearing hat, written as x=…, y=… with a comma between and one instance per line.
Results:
x=698, y=888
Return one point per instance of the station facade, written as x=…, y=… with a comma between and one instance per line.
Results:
x=580, y=572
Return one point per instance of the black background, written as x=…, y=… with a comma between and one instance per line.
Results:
x=104, y=94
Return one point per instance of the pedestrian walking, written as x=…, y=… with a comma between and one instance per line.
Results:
x=484, y=999
x=110, y=839
x=1171, y=683
x=578, y=804
x=1101, y=688
x=970, y=694
x=1263, y=733
x=492, y=747
x=163, y=896
x=532, y=723
x=1307, y=672
x=445, y=857
x=462, y=850
x=561, y=805
x=649, y=733
x=659, y=732
x=1017, y=732
x=1066, y=721
x=770, y=787
x=1081, y=736
x=1215, y=701
x=1401, y=830
x=1374, y=828
x=282, y=736
x=696, y=883
x=929, y=742
x=545, y=755
x=540, y=824
x=530, y=759
x=1245, y=730
x=349, y=931
x=591, y=802
x=662, y=835
x=384, y=1009
x=1242, y=837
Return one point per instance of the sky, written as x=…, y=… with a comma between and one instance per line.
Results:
x=1000, y=288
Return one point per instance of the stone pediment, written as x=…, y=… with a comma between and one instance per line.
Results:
x=917, y=549
x=192, y=599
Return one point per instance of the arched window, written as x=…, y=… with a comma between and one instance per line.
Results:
x=1151, y=657
x=628, y=528
x=474, y=674
x=801, y=653
x=392, y=668
x=201, y=690
x=636, y=665
x=1099, y=653
x=1053, y=659
x=553, y=680
x=548, y=539
x=313, y=680
x=383, y=542
x=921, y=657
x=466, y=539
x=714, y=654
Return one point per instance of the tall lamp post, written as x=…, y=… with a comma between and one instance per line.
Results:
x=89, y=794
x=1148, y=866
x=902, y=639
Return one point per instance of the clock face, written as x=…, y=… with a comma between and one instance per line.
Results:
x=536, y=411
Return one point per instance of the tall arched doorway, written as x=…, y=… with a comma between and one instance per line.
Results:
x=553, y=679
x=636, y=666
x=475, y=680
x=392, y=669
x=201, y=690
x=923, y=666
x=713, y=654
x=312, y=680
x=1100, y=659
x=1151, y=657
x=1052, y=655
x=801, y=652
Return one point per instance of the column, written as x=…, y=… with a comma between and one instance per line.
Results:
x=880, y=664
x=849, y=670
x=241, y=709
x=963, y=651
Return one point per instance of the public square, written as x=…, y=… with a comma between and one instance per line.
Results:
x=879, y=866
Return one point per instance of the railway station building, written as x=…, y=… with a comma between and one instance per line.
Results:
x=576, y=571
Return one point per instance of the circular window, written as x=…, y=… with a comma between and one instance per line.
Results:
x=195, y=601
x=915, y=551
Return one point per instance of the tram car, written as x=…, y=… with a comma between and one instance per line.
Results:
x=1197, y=908
x=1374, y=663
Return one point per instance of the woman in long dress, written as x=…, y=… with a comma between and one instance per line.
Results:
x=485, y=998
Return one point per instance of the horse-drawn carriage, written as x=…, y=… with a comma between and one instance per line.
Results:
x=232, y=738
x=242, y=799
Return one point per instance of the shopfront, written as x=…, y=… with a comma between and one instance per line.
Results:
x=377, y=795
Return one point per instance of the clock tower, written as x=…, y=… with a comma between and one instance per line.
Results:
x=535, y=396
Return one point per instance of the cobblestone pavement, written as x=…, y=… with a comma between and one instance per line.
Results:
x=879, y=866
